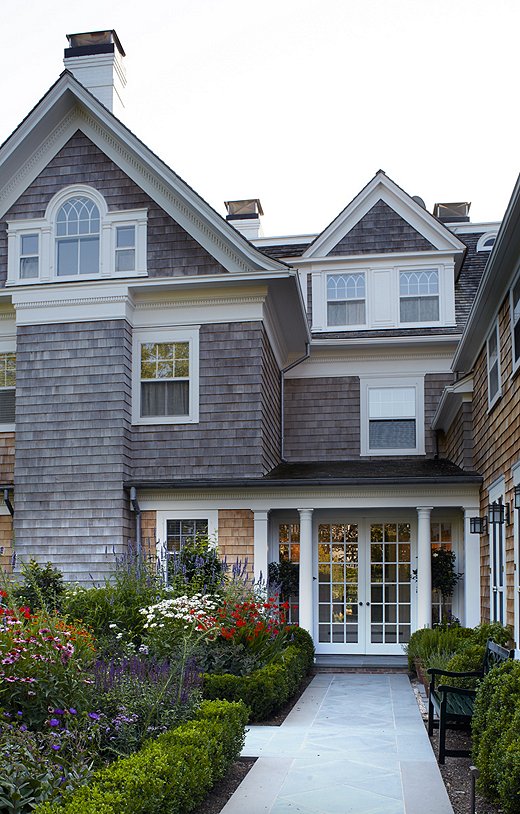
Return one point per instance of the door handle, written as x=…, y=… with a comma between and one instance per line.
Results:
x=360, y=603
x=368, y=603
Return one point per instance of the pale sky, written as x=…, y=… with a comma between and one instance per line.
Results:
x=300, y=102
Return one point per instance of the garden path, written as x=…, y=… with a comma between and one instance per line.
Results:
x=353, y=744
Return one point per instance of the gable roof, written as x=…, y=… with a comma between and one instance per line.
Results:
x=68, y=106
x=412, y=219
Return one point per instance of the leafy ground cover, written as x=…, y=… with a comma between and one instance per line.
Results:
x=91, y=677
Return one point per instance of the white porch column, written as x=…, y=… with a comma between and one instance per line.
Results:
x=424, y=568
x=471, y=570
x=306, y=604
x=260, y=545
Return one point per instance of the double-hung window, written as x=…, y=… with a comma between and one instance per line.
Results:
x=493, y=365
x=392, y=413
x=29, y=256
x=515, y=322
x=419, y=296
x=125, y=248
x=77, y=237
x=7, y=389
x=165, y=377
x=346, y=299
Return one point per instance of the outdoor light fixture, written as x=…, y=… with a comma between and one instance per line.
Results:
x=478, y=525
x=517, y=497
x=498, y=512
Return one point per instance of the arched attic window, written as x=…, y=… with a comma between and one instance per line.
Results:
x=77, y=237
x=486, y=242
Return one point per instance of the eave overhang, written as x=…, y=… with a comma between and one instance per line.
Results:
x=451, y=400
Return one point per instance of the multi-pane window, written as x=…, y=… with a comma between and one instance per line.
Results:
x=419, y=296
x=165, y=379
x=77, y=237
x=29, y=257
x=390, y=589
x=493, y=365
x=441, y=538
x=392, y=418
x=346, y=299
x=181, y=532
x=515, y=320
x=125, y=248
x=7, y=387
x=289, y=552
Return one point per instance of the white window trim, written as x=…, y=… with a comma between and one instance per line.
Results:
x=373, y=272
x=493, y=400
x=45, y=229
x=417, y=382
x=190, y=335
x=418, y=270
x=186, y=514
x=482, y=240
x=360, y=326
x=497, y=493
x=515, y=364
x=8, y=346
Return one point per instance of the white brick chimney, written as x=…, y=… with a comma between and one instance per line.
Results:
x=245, y=216
x=96, y=60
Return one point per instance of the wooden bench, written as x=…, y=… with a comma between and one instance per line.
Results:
x=454, y=705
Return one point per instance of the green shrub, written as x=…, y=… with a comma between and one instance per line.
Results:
x=506, y=767
x=498, y=696
x=430, y=644
x=465, y=660
x=42, y=587
x=265, y=691
x=172, y=773
x=500, y=634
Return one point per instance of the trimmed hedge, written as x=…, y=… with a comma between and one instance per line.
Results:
x=172, y=773
x=496, y=736
x=265, y=691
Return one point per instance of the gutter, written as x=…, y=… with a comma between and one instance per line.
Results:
x=137, y=510
x=301, y=482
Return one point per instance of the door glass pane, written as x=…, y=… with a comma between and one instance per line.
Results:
x=390, y=572
x=338, y=583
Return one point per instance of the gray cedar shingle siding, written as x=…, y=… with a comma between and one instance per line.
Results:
x=434, y=384
x=171, y=251
x=322, y=419
x=381, y=230
x=72, y=456
x=229, y=439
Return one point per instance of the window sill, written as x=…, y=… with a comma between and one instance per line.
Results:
x=7, y=427
x=162, y=420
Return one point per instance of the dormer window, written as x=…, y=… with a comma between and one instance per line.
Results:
x=346, y=299
x=78, y=238
x=419, y=296
x=486, y=242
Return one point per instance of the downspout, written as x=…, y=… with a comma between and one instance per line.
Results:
x=8, y=504
x=137, y=510
x=282, y=397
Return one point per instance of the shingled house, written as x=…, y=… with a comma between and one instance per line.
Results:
x=167, y=371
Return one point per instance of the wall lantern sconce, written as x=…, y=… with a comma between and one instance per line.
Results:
x=478, y=525
x=517, y=497
x=498, y=513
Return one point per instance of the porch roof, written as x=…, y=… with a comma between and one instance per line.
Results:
x=364, y=472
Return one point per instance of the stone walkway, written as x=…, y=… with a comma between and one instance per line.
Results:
x=353, y=744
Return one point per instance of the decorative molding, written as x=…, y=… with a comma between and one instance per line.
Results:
x=208, y=301
x=20, y=179
x=72, y=301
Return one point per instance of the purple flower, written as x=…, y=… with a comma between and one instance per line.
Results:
x=23, y=728
x=72, y=711
x=54, y=722
x=94, y=716
x=19, y=712
x=55, y=746
x=59, y=712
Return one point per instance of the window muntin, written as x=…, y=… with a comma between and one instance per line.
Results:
x=346, y=299
x=515, y=322
x=419, y=296
x=77, y=237
x=493, y=365
x=182, y=532
x=486, y=242
x=392, y=418
x=29, y=256
x=7, y=387
x=125, y=248
x=165, y=380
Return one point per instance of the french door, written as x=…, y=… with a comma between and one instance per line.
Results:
x=364, y=594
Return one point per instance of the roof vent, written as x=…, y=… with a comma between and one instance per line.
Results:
x=419, y=200
x=452, y=212
x=95, y=58
x=245, y=216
